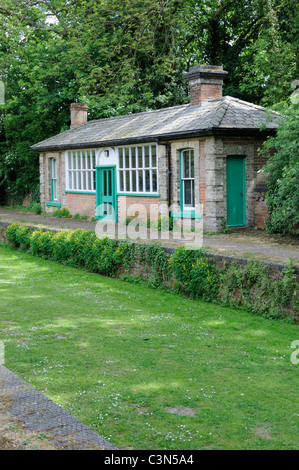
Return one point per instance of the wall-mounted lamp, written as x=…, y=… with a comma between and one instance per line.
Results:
x=106, y=153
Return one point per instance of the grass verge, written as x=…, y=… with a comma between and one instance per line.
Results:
x=146, y=368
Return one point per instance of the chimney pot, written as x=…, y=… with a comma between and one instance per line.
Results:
x=78, y=114
x=205, y=82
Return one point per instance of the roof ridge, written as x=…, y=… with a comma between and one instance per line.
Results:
x=221, y=111
x=253, y=105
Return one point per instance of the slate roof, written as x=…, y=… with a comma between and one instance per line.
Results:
x=216, y=115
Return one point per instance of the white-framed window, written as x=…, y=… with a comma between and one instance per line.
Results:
x=53, y=169
x=138, y=169
x=80, y=170
x=187, y=179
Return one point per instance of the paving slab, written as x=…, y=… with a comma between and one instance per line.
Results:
x=28, y=417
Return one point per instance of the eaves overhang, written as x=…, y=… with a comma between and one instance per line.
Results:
x=213, y=131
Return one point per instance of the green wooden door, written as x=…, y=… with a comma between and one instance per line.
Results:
x=106, y=193
x=235, y=186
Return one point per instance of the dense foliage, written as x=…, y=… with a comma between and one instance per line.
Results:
x=283, y=174
x=122, y=56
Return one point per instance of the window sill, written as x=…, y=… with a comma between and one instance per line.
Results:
x=139, y=194
x=79, y=192
x=53, y=203
x=185, y=214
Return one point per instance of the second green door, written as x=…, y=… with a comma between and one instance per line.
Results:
x=235, y=187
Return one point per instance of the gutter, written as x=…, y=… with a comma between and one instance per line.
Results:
x=153, y=138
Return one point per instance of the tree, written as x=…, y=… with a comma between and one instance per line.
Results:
x=126, y=56
x=282, y=168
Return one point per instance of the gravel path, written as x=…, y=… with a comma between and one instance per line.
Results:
x=245, y=243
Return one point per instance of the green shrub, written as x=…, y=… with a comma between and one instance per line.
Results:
x=61, y=247
x=19, y=235
x=11, y=234
x=62, y=213
x=36, y=208
x=41, y=243
x=197, y=275
x=80, y=217
x=23, y=235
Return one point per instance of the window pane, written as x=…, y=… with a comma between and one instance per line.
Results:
x=93, y=158
x=83, y=160
x=140, y=159
x=84, y=180
x=88, y=184
x=104, y=182
x=134, y=180
x=74, y=180
x=192, y=164
x=127, y=157
x=54, y=195
x=121, y=181
x=74, y=161
x=154, y=181
x=70, y=186
x=187, y=193
x=88, y=164
x=79, y=160
x=53, y=168
x=79, y=180
x=109, y=183
x=140, y=181
x=70, y=160
x=120, y=153
x=133, y=157
x=154, y=156
x=186, y=172
x=147, y=181
x=128, y=181
x=146, y=157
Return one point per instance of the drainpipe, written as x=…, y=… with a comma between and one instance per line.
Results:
x=168, y=154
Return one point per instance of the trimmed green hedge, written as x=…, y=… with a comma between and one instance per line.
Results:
x=188, y=271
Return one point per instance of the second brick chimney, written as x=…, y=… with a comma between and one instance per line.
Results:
x=78, y=114
x=205, y=82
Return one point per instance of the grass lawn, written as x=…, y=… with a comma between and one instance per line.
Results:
x=145, y=368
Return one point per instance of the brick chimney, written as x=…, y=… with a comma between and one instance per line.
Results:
x=78, y=114
x=205, y=82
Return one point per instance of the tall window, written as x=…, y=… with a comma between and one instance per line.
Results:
x=80, y=170
x=187, y=179
x=138, y=169
x=53, y=164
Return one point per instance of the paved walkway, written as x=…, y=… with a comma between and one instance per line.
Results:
x=246, y=243
x=29, y=420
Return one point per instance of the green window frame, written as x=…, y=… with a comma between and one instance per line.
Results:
x=53, y=169
x=187, y=179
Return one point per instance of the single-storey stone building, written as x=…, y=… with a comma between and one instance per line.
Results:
x=170, y=160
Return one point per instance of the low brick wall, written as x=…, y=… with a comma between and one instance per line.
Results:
x=150, y=206
x=83, y=204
